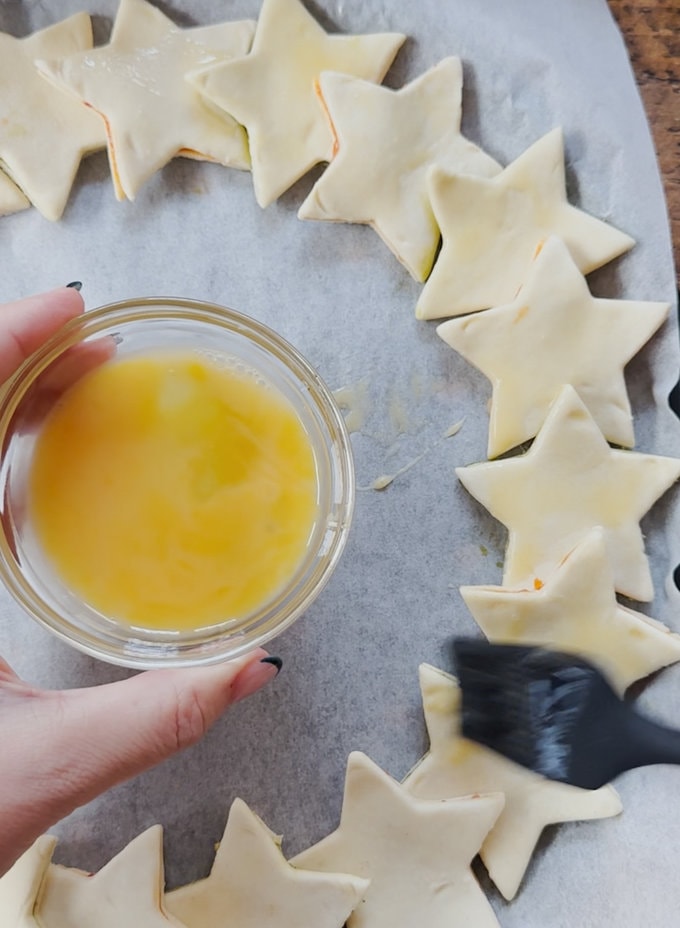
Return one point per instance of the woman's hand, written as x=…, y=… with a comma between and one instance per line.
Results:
x=61, y=749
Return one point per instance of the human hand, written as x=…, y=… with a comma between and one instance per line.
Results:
x=63, y=748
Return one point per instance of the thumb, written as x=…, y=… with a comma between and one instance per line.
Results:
x=69, y=746
x=26, y=324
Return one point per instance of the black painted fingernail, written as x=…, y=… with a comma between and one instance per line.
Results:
x=75, y=285
x=274, y=661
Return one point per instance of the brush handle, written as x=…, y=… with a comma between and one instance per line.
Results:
x=648, y=743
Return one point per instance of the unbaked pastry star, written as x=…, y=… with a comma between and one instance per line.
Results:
x=128, y=891
x=12, y=199
x=251, y=885
x=416, y=853
x=455, y=767
x=272, y=90
x=20, y=886
x=386, y=142
x=137, y=84
x=569, y=481
x=554, y=332
x=43, y=132
x=492, y=228
x=576, y=610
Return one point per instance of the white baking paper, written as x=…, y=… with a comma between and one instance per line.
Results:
x=350, y=665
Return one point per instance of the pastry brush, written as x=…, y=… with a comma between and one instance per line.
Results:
x=554, y=713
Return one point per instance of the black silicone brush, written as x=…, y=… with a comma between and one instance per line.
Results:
x=555, y=714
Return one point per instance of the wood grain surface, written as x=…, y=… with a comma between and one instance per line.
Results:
x=651, y=30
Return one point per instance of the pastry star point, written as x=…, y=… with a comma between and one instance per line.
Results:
x=20, y=887
x=416, y=853
x=37, y=118
x=571, y=472
x=386, y=140
x=128, y=890
x=455, y=766
x=252, y=880
x=12, y=200
x=554, y=332
x=491, y=229
x=271, y=90
x=151, y=113
x=576, y=611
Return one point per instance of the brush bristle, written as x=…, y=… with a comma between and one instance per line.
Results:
x=523, y=702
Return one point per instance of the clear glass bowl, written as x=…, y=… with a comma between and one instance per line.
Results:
x=138, y=327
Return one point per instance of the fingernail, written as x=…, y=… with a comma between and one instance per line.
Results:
x=274, y=661
x=254, y=677
x=75, y=285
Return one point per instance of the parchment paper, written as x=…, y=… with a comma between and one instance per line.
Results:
x=350, y=665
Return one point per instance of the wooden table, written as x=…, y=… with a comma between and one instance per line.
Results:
x=651, y=29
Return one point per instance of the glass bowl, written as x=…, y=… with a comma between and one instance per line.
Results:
x=135, y=328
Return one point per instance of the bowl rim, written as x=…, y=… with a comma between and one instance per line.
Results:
x=148, y=653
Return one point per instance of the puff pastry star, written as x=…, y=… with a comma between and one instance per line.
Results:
x=137, y=84
x=416, y=853
x=43, y=132
x=127, y=891
x=569, y=481
x=272, y=90
x=386, y=141
x=554, y=332
x=455, y=766
x=251, y=885
x=20, y=886
x=577, y=611
x=12, y=199
x=492, y=228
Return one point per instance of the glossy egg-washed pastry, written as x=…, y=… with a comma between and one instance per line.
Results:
x=44, y=133
x=136, y=83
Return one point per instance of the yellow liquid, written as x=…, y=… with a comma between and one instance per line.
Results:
x=172, y=493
